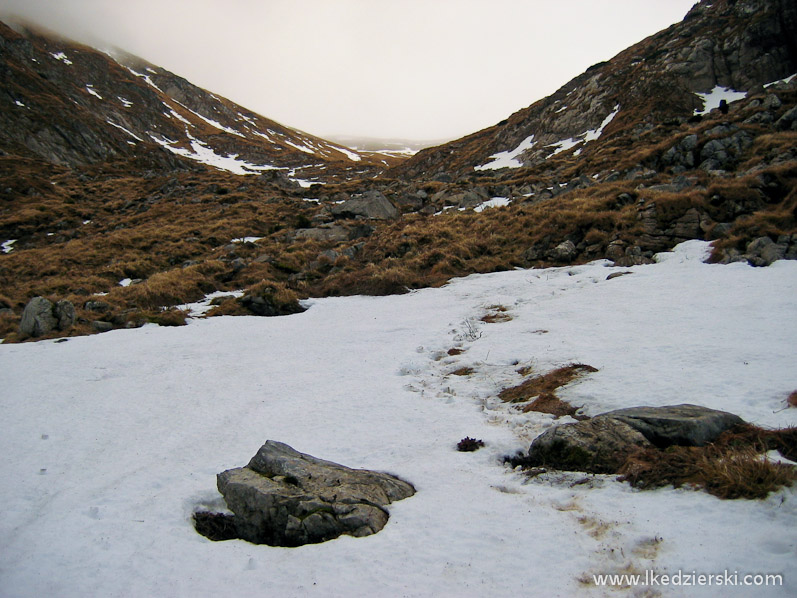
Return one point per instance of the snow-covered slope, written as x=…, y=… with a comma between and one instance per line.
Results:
x=110, y=442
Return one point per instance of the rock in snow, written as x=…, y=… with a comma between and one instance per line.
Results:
x=287, y=498
x=602, y=444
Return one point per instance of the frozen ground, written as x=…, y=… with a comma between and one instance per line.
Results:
x=110, y=442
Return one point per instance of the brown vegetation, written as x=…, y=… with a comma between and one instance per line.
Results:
x=542, y=389
x=732, y=467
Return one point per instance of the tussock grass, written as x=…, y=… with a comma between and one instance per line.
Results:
x=730, y=468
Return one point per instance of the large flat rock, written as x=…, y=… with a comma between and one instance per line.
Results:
x=287, y=498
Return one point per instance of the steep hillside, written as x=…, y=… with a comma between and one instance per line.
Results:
x=71, y=105
x=721, y=45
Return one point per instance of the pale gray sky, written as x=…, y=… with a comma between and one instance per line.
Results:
x=417, y=69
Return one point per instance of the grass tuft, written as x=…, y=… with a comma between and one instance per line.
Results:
x=545, y=384
x=732, y=467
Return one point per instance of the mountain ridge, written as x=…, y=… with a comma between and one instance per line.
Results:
x=653, y=81
x=90, y=107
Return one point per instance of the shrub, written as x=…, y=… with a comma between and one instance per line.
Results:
x=468, y=445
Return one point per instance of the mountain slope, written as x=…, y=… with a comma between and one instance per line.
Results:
x=720, y=44
x=625, y=161
x=71, y=105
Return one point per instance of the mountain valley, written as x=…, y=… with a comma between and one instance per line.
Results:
x=130, y=192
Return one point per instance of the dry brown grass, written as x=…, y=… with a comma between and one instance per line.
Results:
x=549, y=403
x=463, y=371
x=732, y=467
x=496, y=313
x=545, y=384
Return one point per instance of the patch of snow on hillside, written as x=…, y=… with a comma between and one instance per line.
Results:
x=264, y=136
x=246, y=239
x=200, y=308
x=348, y=153
x=62, y=57
x=120, y=127
x=202, y=152
x=592, y=135
x=179, y=116
x=304, y=183
x=301, y=148
x=20, y=104
x=125, y=103
x=213, y=123
x=788, y=79
x=585, y=137
x=712, y=99
x=146, y=78
x=495, y=202
x=8, y=246
x=92, y=91
x=112, y=441
x=508, y=159
x=564, y=145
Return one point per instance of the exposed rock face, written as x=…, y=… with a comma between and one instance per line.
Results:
x=602, y=444
x=41, y=317
x=287, y=498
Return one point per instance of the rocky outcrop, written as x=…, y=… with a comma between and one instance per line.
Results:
x=602, y=444
x=762, y=251
x=42, y=317
x=270, y=300
x=370, y=205
x=287, y=498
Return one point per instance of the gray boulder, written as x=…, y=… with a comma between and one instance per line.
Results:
x=596, y=445
x=602, y=444
x=788, y=121
x=763, y=251
x=287, y=498
x=564, y=252
x=64, y=312
x=41, y=317
x=371, y=204
x=682, y=425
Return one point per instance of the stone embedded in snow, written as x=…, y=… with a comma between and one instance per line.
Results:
x=602, y=444
x=598, y=445
x=287, y=498
x=682, y=425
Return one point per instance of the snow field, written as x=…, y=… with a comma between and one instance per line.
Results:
x=112, y=441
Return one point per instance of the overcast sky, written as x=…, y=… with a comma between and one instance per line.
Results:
x=416, y=69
